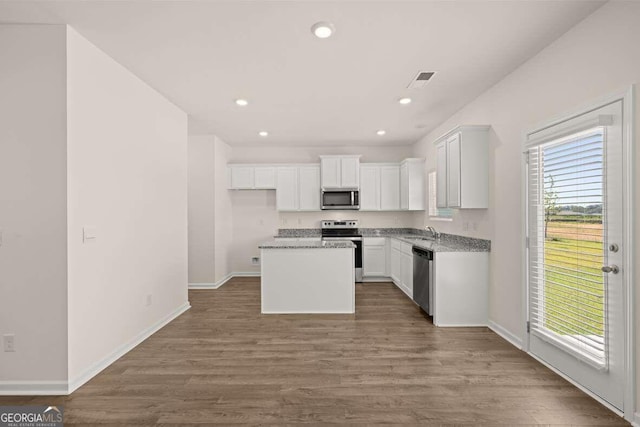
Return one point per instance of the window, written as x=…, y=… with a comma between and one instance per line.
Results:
x=434, y=210
x=567, y=288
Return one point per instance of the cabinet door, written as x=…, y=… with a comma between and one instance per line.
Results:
x=407, y=273
x=264, y=177
x=373, y=261
x=309, y=188
x=287, y=189
x=404, y=186
x=441, y=175
x=330, y=171
x=453, y=171
x=370, y=188
x=389, y=188
x=396, y=266
x=241, y=177
x=350, y=172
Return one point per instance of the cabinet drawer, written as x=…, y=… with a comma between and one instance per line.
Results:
x=374, y=241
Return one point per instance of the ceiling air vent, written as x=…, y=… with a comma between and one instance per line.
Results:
x=421, y=79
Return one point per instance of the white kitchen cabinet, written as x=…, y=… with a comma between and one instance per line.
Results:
x=374, y=257
x=298, y=188
x=350, y=172
x=287, y=197
x=441, y=174
x=251, y=177
x=412, y=185
x=369, y=188
x=462, y=165
x=390, y=188
x=396, y=262
x=340, y=171
x=407, y=268
x=264, y=177
x=461, y=289
x=379, y=187
x=241, y=177
x=309, y=187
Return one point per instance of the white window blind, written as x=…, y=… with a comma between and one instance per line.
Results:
x=566, y=238
x=434, y=210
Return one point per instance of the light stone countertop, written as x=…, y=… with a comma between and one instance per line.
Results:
x=418, y=238
x=334, y=244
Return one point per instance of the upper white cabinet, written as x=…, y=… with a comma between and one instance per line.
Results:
x=251, y=177
x=379, y=187
x=462, y=165
x=412, y=185
x=298, y=188
x=390, y=188
x=340, y=171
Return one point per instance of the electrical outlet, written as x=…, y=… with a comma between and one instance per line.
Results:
x=9, y=342
x=255, y=260
x=149, y=300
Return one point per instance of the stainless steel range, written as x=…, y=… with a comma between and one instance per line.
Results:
x=345, y=230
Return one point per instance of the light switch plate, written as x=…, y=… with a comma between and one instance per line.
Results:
x=88, y=233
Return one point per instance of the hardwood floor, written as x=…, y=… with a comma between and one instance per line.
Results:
x=223, y=362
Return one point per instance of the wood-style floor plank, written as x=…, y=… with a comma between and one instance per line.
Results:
x=223, y=362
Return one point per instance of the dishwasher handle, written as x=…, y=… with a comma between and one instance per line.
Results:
x=423, y=253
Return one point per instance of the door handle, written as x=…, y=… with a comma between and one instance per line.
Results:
x=610, y=269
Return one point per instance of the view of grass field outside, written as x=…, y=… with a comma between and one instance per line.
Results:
x=574, y=287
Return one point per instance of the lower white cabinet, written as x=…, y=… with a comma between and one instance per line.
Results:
x=374, y=257
x=406, y=263
x=396, y=262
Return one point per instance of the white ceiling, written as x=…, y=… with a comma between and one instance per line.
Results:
x=305, y=91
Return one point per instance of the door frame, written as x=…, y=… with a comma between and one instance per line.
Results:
x=628, y=115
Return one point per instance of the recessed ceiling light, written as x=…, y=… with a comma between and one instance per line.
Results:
x=263, y=133
x=322, y=30
x=404, y=101
x=381, y=132
x=242, y=102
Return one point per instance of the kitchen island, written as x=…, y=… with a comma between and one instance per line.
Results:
x=307, y=277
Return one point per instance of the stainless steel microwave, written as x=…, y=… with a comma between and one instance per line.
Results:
x=344, y=198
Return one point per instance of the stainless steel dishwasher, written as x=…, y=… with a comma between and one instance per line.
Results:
x=423, y=279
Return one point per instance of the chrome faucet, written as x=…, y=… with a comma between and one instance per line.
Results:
x=433, y=231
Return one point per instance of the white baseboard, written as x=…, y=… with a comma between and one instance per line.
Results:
x=34, y=388
x=224, y=280
x=380, y=279
x=461, y=325
x=636, y=420
x=58, y=388
x=94, y=370
x=516, y=341
x=245, y=274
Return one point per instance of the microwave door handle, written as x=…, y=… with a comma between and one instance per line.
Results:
x=351, y=198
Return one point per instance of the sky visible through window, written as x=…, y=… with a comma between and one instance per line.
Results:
x=573, y=172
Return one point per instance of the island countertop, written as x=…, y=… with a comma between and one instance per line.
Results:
x=334, y=244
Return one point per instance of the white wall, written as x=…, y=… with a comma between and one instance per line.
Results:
x=201, y=209
x=127, y=177
x=225, y=221
x=596, y=58
x=33, y=202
